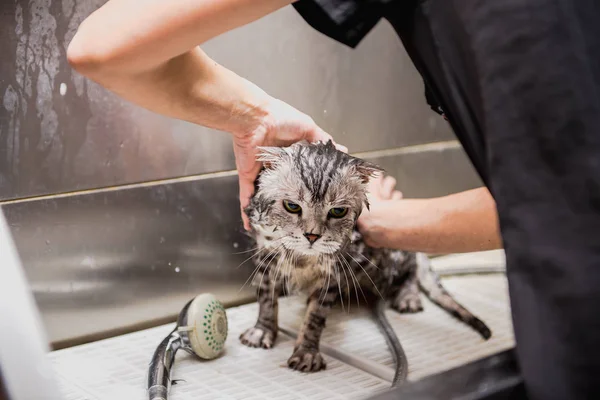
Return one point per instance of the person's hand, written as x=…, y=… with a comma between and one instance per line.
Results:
x=382, y=188
x=382, y=196
x=283, y=125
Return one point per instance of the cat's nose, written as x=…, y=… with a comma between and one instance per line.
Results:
x=311, y=237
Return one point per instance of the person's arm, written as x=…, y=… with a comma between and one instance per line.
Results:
x=457, y=223
x=147, y=53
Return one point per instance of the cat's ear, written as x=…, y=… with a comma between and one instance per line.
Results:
x=367, y=170
x=270, y=156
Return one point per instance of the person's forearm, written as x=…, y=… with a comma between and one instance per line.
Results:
x=129, y=36
x=457, y=223
x=194, y=88
x=148, y=55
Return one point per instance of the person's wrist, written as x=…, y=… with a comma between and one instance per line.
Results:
x=371, y=227
x=252, y=115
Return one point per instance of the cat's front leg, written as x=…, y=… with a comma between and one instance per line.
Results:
x=264, y=332
x=306, y=356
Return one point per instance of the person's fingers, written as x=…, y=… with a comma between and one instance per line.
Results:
x=341, y=148
x=387, y=187
x=245, y=220
x=374, y=186
x=246, y=191
x=248, y=169
x=316, y=134
x=319, y=135
x=397, y=195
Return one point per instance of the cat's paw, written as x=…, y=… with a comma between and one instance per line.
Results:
x=259, y=337
x=306, y=360
x=408, y=303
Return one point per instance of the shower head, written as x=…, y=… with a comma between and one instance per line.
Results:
x=203, y=324
x=201, y=330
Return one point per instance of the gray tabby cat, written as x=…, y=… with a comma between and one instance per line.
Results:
x=303, y=216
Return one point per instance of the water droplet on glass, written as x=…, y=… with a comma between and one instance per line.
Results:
x=63, y=89
x=235, y=245
x=324, y=111
x=177, y=269
x=169, y=264
x=162, y=239
x=47, y=243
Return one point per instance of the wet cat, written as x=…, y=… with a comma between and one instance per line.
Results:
x=303, y=215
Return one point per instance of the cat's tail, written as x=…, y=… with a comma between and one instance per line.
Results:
x=393, y=343
x=430, y=284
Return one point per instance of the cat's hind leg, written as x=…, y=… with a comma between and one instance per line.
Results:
x=408, y=299
x=404, y=293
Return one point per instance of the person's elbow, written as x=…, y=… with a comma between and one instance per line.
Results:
x=91, y=58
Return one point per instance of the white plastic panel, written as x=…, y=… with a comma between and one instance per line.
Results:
x=433, y=340
x=116, y=369
x=456, y=263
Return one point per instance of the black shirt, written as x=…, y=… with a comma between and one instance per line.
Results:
x=519, y=82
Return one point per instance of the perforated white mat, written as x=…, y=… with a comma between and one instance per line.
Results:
x=358, y=360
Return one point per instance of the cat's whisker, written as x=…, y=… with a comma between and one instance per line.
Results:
x=342, y=267
x=250, y=277
x=265, y=258
x=280, y=261
x=258, y=250
x=326, y=272
x=328, y=282
x=355, y=281
x=339, y=278
x=261, y=279
x=273, y=274
x=368, y=276
x=296, y=256
x=246, y=251
x=249, y=258
x=369, y=261
x=286, y=276
x=258, y=266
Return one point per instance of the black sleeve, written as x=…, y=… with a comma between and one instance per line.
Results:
x=347, y=21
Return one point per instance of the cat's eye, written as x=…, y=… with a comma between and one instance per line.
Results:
x=291, y=207
x=338, y=212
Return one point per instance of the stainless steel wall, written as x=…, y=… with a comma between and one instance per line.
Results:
x=113, y=260
x=60, y=132
x=118, y=238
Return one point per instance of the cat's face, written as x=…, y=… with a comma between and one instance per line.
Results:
x=308, y=198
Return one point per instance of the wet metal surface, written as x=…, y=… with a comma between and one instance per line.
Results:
x=101, y=261
x=113, y=259
x=60, y=132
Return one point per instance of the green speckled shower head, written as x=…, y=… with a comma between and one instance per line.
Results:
x=201, y=328
x=207, y=326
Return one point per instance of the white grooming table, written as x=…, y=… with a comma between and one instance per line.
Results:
x=358, y=361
